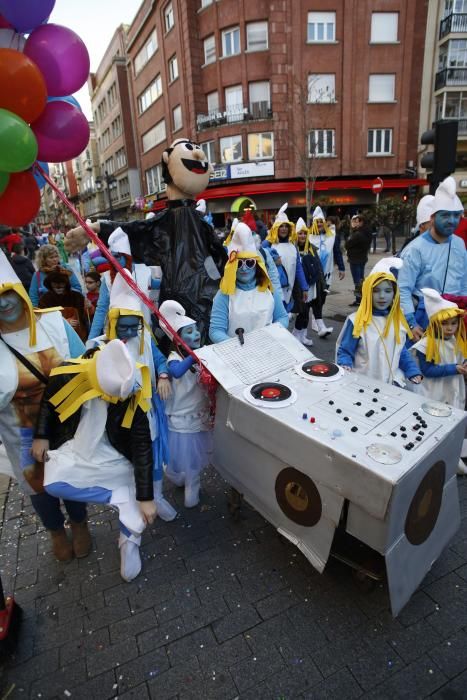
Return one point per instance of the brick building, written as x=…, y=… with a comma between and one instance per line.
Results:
x=259, y=84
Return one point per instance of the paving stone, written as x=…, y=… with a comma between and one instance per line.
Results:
x=141, y=692
x=299, y=675
x=162, y=635
x=84, y=645
x=191, y=645
x=418, y=680
x=235, y=623
x=37, y=667
x=100, y=583
x=80, y=608
x=277, y=603
x=141, y=669
x=102, y=687
x=340, y=685
x=455, y=690
x=450, y=654
x=447, y=589
x=222, y=656
x=205, y=615
x=449, y=618
x=175, y=680
x=177, y=605
x=251, y=671
x=375, y=665
x=412, y=642
x=111, y=657
x=219, y=686
x=58, y=635
x=106, y=616
x=55, y=684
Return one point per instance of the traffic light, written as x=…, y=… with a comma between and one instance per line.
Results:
x=442, y=160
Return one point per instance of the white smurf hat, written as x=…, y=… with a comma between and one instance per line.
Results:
x=425, y=209
x=115, y=370
x=318, y=214
x=201, y=206
x=149, y=215
x=445, y=198
x=242, y=240
x=300, y=225
x=174, y=313
x=281, y=215
x=122, y=296
x=384, y=266
x=119, y=242
x=434, y=302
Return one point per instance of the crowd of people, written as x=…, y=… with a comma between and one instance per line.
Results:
x=100, y=402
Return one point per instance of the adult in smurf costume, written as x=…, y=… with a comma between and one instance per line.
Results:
x=437, y=259
x=93, y=434
x=245, y=299
x=126, y=322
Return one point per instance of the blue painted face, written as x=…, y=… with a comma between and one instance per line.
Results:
x=120, y=258
x=383, y=295
x=128, y=327
x=245, y=274
x=191, y=336
x=446, y=222
x=11, y=307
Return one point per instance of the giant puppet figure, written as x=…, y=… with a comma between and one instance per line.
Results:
x=178, y=238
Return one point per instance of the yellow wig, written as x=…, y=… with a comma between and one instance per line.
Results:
x=21, y=292
x=364, y=315
x=273, y=233
x=435, y=334
x=314, y=230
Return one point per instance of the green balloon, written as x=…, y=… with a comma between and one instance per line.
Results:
x=4, y=177
x=18, y=145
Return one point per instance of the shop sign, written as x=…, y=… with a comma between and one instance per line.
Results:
x=259, y=169
x=221, y=172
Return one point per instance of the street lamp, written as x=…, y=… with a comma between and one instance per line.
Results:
x=111, y=183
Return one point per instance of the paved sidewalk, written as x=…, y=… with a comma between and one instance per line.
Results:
x=224, y=610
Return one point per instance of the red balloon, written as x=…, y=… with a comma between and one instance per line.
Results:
x=22, y=85
x=21, y=200
x=4, y=24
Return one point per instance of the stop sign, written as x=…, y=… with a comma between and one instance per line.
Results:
x=377, y=185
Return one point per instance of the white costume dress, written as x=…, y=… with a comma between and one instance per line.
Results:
x=249, y=309
x=325, y=246
x=450, y=389
x=288, y=255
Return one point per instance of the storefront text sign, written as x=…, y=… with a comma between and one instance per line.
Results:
x=261, y=169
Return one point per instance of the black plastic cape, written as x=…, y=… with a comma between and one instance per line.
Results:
x=185, y=246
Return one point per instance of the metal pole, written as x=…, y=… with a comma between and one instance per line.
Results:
x=107, y=180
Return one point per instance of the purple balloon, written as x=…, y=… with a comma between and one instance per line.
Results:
x=26, y=15
x=61, y=56
x=62, y=132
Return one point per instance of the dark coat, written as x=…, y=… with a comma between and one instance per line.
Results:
x=358, y=244
x=23, y=268
x=133, y=443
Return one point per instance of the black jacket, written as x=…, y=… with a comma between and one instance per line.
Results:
x=23, y=268
x=133, y=443
x=358, y=244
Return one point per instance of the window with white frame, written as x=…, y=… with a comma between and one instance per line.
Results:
x=381, y=87
x=234, y=103
x=453, y=54
x=210, y=49
x=231, y=149
x=154, y=136
x=173, y=68
x=205, y=3
x=261, y=146
x=321, y=87
x=322, y=143
x=379, y=142
x=209, y=150
x=148, y=50
x=259, y=93
x=212, y=99
x=231, y=41
x=124, y=187
x=150, y=95
x=116, y=127
x=169, y=17
x=109, y=166
x=120, y=158
x=154, y=181
x=321, y=27
x=257, y=36
x=384, y=27
x=177, y=117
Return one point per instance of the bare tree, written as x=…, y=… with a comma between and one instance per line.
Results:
x=308, y=138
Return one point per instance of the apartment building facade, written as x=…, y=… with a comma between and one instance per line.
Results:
x=267, y=86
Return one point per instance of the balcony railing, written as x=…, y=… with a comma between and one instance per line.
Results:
x=451, y=77
x=453, y=24
x=462, y=131
x=234, y=114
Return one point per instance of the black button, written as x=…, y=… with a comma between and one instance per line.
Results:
x=403, y=427
x=331, y=403
x=418, y=438
x=359, y=403
x=375, y=400
x=404, y=435
x=416, y=426
x=383, y=408
x=406, y=447
x=354, y=429
x=346, y=419
x=420, y=432
x=369, y=413
x=361, y=391
x=376, y=391
x=415, y=414
x=338, y=410
x=394, y=434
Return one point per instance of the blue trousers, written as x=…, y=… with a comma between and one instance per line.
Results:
x=48, y=509
x=357, y=270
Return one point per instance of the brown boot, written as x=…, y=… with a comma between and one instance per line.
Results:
x=61, y=545
x=81, y=539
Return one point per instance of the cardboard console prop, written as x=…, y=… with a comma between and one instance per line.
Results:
x=312, y=447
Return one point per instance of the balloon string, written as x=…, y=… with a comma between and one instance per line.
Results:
x=178, y=341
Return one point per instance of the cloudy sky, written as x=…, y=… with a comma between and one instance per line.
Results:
x=95, y=22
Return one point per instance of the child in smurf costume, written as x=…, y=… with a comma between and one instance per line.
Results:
x=187, y=409
x=442, y=355
x=372, y=341
x=126, y=322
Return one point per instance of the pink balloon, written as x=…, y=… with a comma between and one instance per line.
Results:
x=62, y=132
x=61, y=56
x=4, y=24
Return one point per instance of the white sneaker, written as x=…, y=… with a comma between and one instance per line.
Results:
x=305, y=339
x=323, y=332
x=461, y=468
x=130, y=559
x=164, y=510
x=314, y=325
x=297, y=334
